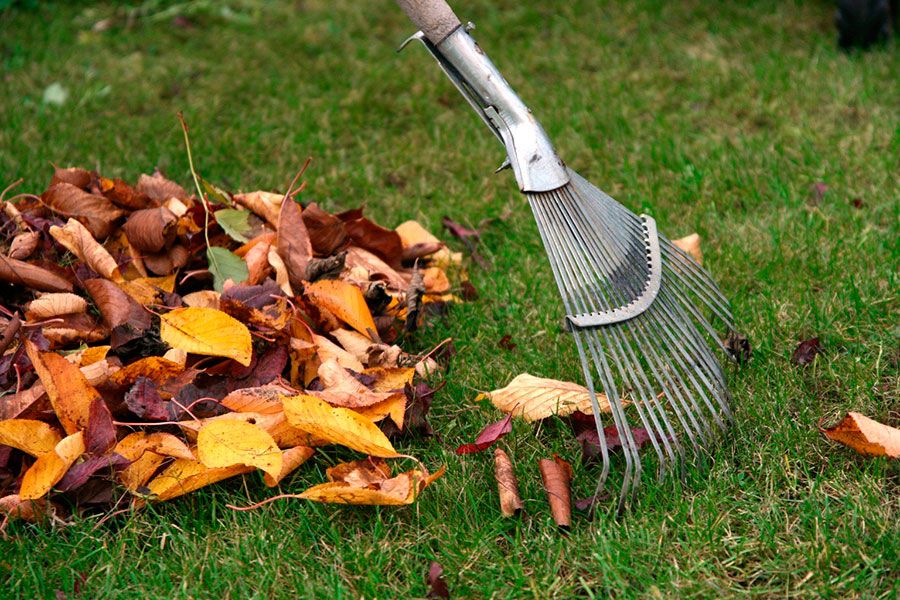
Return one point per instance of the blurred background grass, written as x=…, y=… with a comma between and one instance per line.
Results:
x=716, y=117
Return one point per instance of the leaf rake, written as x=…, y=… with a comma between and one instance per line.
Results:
x=635, y=303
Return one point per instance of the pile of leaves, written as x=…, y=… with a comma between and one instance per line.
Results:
x=155, y=341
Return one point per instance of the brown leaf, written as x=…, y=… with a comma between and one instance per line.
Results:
x=80, y=178
x=32, y=511
x=437, y=586
x=292, y=242
x=151, y=229
x=806, y=351
x=70, y=393
x=79, y=241
x=52, y=305
x=31, y=276
x=24, y=244
x=866, y=436
x=265, y=204
x=123, y=194
x=97, y=213
x=374, y=268
x=557, y=475
x=326, y=232
x=690, y=244
x=343, y=389
x=159, y=188
x=507, y=484
x=116, y=307
x=383, y=243
x=166, y=261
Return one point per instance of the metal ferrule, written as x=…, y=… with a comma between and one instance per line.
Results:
x=530, y=153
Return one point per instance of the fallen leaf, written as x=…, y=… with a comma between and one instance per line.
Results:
x=327, y=350
x=32, y=511
x=345, y=301
x=292, y=241
x=225, y=443
x=437, y=586
x=806, y=352
x=225, y=265
x=738, y=347
x=383, y=243
x=337, y=425
x=343, y=389
x=158, y=188
x=146, y=453
x=235, y=223
x=557, y=476
x=117, y=307
x=69, y=392
x=264, y=204
x=31, y=276
x=488, y=436
x=507, y=484
x=50, y=467
x=506, y=343
x=98, y=213
x=150, y=229
x=29, y=436
x=327, y=233
x=208, y=332
x=356, y=483
x=52, y=305
x=78, y=240
x=536, y=398
x=100, y=433
x=290, y=460
x=690, y=244
x=124, y=195
x=155, y=368
x=866, y=436
x=79, y=473
x=24, y=245
x=185, y=476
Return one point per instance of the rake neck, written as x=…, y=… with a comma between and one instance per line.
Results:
x=530, y=153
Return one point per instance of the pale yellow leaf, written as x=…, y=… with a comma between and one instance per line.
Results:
x=207, y=331
x=368, y=483
x=536, y=398
x=55, y=304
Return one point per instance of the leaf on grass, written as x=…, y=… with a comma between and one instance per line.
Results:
x=437, y=586
x=207, y=331
x=32, y=511
x=488, y=436
x=690, y=244
x=556, y=475
x=290, y=460
x=184, y=476
x=806, y=352
x=536, y=398
x=368, y=482
x=337, y=425
x=345, y=301
x=224, y=265
x=235, y=223
x=29, y=436
x=507, y=484
x=50, y=467
x=69, y=391
x=866, y=436
x=228, y=442
x=76, y=238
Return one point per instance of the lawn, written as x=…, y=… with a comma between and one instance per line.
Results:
x=715, y=117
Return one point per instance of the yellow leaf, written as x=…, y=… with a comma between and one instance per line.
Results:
x=145, y=290
x=345, y=301
x=536, y=398
x=32, y=437
x=337, y=425
x=68, y=389
x=147, y=451
x=184, y=476
x=264, y=399
x=229, y=442
x=866, y=436
x=51, y=466
x=290, y=460
x=366, y=484
x=691, y=245
x=394, y=406
x=388, y=379
x=207, y=331
x=93, y=355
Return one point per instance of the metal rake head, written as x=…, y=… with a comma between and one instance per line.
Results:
x=636, y=305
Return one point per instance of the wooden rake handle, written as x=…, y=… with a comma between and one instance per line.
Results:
x=434, y=17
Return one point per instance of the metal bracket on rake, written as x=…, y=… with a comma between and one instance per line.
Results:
x=647, y=296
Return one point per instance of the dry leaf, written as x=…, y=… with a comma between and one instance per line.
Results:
x=507, y=484
x=328, y=350
x=557, y=476
x=202, y=299
x=69, y=392
x=151, y=229
x=29, y=436
x=184, y=476
x=158, y=188
x=343, y=389
x=79, y=241
x=866, y=436
x=32, y=511
x=18, y=272
x=293, y=242
x=345, y=301
x=55, y=304
x=265, y=400
x=50, y=467
x=375, y=268
x=536, y=398
x=337, y=425
x=326, y=232
x=98, y=213
x=290, y=460
x=229, y=442
x=353, y=342
x=147, y=451
x=208, y=332
x=117, y=307
x=366, y=483
x=691, y=245
x=24, y=244
x=156, y=368
x=265, y=204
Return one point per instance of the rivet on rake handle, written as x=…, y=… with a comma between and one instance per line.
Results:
x=639, y=308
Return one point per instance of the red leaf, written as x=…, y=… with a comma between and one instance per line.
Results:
x=488, y=436
x=437, y=587
x=806, y=351
x=100, y=433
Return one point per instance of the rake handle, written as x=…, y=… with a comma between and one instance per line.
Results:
x=434, y=17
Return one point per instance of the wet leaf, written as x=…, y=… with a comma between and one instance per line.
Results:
x=488, y=436
x=225, y=265
x=866, y=436
x=208, y=332
x=229, y=442
x=536, y=398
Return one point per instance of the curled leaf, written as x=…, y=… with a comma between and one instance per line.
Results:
x=536, y=398
x=557, y=475
x=77, y=239
x=507, y=484
x=866, y=436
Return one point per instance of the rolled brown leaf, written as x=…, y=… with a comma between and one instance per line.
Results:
x=96, y=212
x=557, y=475
x=37, y=278
x=150, y=230
x=507, y=484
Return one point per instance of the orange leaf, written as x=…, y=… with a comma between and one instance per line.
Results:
x=345, y=301
x=69, y=392
x=156, y=368
x=184, y=476
x=343, y=389
x=207, y=331
x=363, y=483
x=866, y=436
x=336, y=425
x=229, y=442
x=49, y=468
x=290, y=460
x=32, y=437
x=147, y=451
x=690, y=244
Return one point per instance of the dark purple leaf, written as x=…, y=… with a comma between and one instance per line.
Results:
x=100, y=433
x=254, y=296
x=469, y=293
x=78, y=474
x=506, y=343
x=143, y=400
x=418, y=403
x=459, y=231
x=806, y=351
x=437, y=586
x=488, y=436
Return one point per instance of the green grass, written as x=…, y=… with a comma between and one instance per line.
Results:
x=713, y=116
